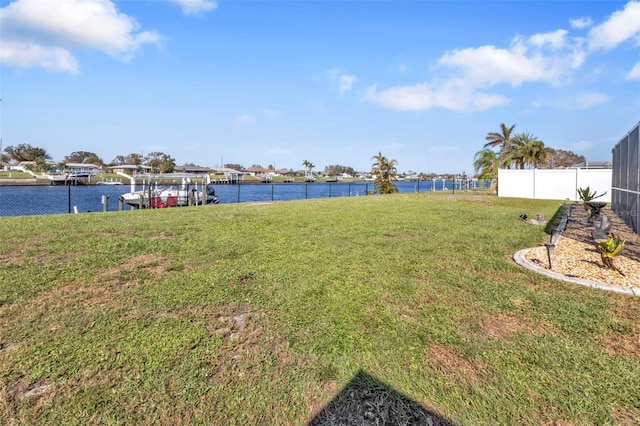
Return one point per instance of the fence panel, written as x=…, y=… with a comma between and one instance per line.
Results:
x=554, y=184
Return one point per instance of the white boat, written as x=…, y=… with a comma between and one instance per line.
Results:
x=192, y=190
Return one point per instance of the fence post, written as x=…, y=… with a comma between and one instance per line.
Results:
x=105, y=203
x=69, y=198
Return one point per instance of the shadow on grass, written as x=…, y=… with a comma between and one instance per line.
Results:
x=366, y=400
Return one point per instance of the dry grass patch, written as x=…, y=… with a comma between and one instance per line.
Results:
x=455, y=367
x=628, y=417
x=13, y=258
x=152, y=265
x=625, y=340
x=466, y=197
x=23, y=253
x=502, y=327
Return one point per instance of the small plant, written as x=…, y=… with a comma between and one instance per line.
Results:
x=609, y=248
x=586, y=195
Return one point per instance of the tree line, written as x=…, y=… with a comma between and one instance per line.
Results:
x=158, y=161
x=519, y=151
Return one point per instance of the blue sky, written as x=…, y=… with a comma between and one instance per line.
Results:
x=332, y=82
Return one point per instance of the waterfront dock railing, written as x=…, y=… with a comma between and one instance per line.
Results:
x=30, y=200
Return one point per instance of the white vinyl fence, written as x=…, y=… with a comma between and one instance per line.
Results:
x=553, y=184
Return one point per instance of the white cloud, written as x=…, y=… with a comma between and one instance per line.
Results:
x=541, y=58
x=580, y=23
x=402, y=68
x=469, y=73
x=51, y=30
x=25, y=55
x=422, y=96
x=621, y=26
x=344, y=82
x=634, y=74
x=554, y=40
x=196, y=7
x=582, y=146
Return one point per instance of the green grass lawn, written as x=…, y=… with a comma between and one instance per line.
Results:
x=14, y=175
x=260, y=313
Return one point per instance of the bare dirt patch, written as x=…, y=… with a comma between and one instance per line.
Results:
x=12, y=258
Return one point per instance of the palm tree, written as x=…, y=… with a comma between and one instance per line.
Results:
x=308, y=165
x=525, y=150
x=385, y=173
x=502, y=140
x=487, y=162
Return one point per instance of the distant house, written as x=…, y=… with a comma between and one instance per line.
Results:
x=593, y=165
x=192, y=169
x=82, y=168
x=230, y=175
x=130, y=169
x=260, y=171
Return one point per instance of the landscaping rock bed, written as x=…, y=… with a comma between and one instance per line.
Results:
x=576, y=253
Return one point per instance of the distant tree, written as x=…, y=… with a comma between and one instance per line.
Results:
x=256, y=165
x=131, y=159
x=559, y=158
x=26, y=152
x=84, y=157
x=337, y=169
x=159, y=162
x=234, y=166
x=308, y=165
x=385, y=173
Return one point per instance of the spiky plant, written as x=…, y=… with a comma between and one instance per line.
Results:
x=586, y=195
x=609, y=248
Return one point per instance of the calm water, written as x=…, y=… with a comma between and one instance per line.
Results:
x=38, y=200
